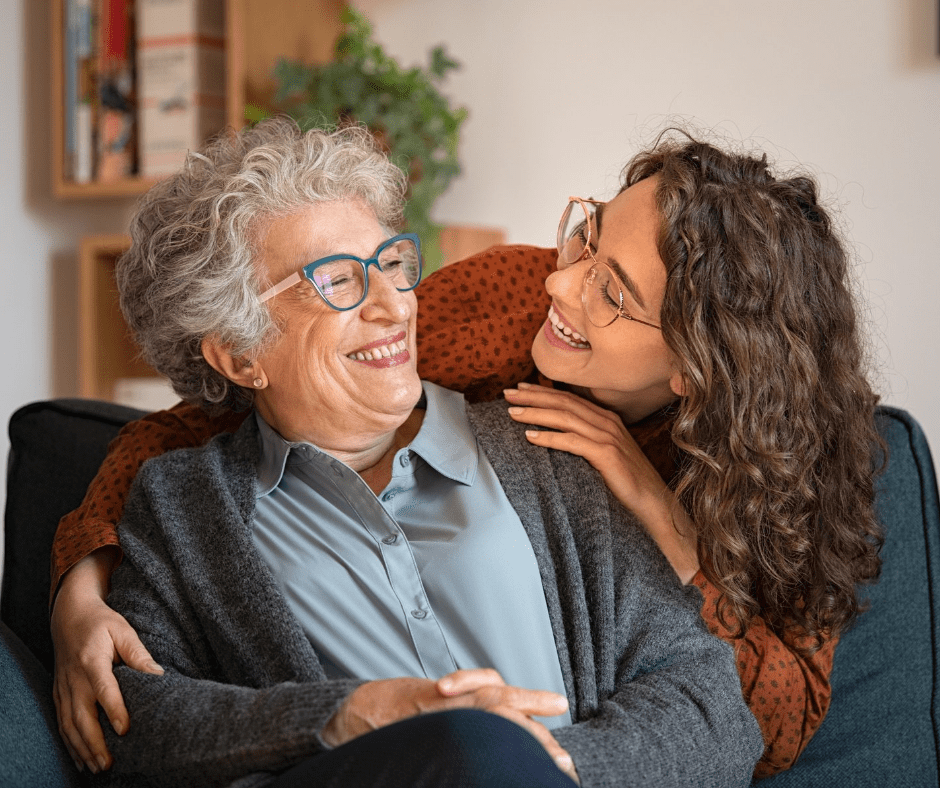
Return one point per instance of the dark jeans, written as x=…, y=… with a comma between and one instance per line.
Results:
x=465, y=748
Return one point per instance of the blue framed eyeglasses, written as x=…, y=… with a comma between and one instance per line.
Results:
x=342, y=280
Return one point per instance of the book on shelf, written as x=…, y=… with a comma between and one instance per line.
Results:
x=117, y=122
x=180, y=79
x=80, y=100
x=144, y=83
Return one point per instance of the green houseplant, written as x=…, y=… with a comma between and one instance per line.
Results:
x=403, y=107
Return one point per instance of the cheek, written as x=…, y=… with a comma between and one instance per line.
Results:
x=303, y=346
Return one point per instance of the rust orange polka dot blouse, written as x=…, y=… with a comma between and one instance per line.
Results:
x=476, y=322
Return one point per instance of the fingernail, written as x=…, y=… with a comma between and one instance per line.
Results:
x=561, y=703
x=515, y=410
x=564, y=762
x=531, y=433
x=523, y=385
x=102, y=763
x=119, y=728
x=155, y=666
x=446, y=685
x=510, y=392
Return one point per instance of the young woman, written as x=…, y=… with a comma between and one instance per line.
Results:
x=704, y=343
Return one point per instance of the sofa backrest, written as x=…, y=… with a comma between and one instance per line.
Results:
x=56, y=447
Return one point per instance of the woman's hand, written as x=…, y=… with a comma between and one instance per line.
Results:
x=379, y=703
x=89, y=638
x=599, y=436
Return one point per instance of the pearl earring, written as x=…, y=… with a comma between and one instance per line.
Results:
x=258, y=383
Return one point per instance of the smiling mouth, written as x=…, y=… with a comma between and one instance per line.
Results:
x=565, y=333
x=390, y=350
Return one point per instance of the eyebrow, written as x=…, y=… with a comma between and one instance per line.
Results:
x=599, y=217
x=627, y=281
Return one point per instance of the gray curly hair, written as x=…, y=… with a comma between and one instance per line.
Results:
x=190, y=271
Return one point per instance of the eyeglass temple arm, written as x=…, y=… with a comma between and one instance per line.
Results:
x=280, y=287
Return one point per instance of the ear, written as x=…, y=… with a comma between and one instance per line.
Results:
x=249, y=375
x=677, y=384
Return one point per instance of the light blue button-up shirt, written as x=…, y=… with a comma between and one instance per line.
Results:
x=434, y=574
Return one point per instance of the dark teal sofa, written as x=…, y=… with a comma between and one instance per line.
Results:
x=883, y=728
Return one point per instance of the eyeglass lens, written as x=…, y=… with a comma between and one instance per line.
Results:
x=573, y=231
x=342, y=282
x=601, y=296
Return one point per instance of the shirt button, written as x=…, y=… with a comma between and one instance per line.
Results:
x=390, y=539
x=419, y=614
x=390, y=494
x=403, y=460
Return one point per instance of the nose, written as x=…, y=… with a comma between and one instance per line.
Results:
x=564, y=285
x=386, y=302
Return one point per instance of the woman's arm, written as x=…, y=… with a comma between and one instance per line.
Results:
x=88, y=636
x=94, y=524
x=477, y=319
x=787, y=692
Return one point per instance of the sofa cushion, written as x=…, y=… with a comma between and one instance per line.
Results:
x=882, y=727
x=55, y=450
x=31, y=752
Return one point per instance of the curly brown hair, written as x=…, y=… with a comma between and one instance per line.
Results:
x=777, y=418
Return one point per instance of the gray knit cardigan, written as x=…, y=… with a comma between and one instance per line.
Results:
x=655, y=699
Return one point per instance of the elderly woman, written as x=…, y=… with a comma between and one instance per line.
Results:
x=364, y=548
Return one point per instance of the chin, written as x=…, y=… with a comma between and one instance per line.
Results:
x=407, y=394
x=546, y=361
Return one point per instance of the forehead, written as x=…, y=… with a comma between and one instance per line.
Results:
x=629, y=228
x=290, y=241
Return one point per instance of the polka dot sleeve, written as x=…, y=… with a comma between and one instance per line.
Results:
x=94, y=524
x=477, y=320
x=788, y=693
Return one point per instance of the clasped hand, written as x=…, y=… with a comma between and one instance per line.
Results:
x=378, y=703
x=89, y=638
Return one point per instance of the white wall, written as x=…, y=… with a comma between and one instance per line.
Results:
x=560, y=94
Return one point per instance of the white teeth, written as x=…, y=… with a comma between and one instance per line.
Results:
x=383, y=351
x=565, y=333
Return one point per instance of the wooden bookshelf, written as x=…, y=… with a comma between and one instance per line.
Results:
x=258, y=33
x=106, y=351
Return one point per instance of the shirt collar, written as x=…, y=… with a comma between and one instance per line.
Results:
x=445, y=441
